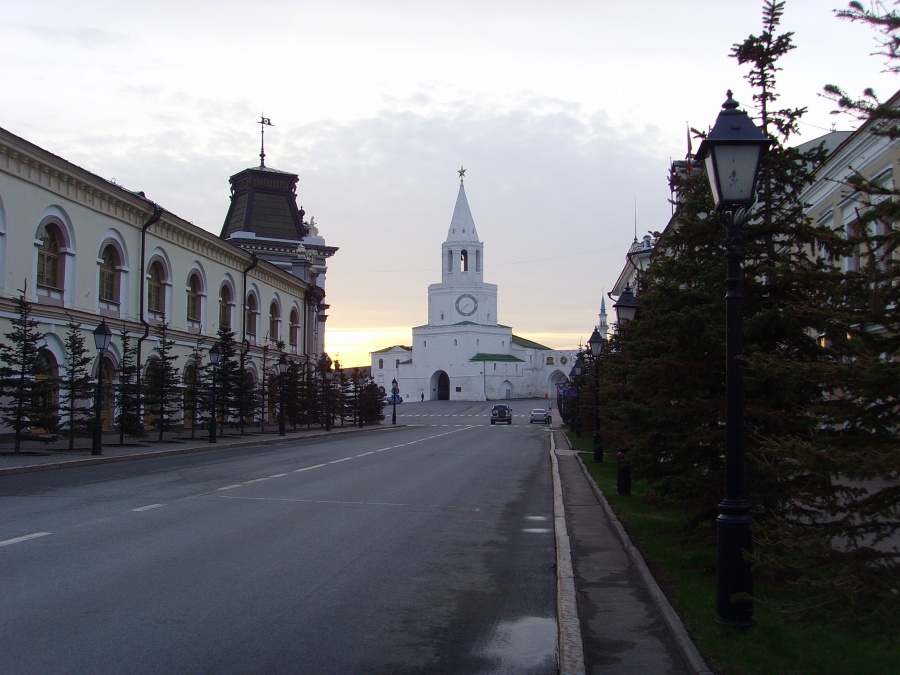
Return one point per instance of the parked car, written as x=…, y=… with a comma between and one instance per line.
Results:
x=501, y=413
x=539, y=415
x=390, y=399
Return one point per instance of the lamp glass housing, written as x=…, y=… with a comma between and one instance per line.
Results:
x=282, y=365
x=102, y=337
x=214, y=354
x=596, y=343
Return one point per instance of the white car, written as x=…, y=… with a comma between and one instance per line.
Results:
x=539, y=415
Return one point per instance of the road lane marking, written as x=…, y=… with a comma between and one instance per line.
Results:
x=277, y=475
x=365, y=453
x=26, y=537
x=338, y=461
x=147, y=508
x=309, y=468
x=256, y=480
x=228, y=487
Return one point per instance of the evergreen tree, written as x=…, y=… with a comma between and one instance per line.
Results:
x=293, y=397
x=162, y=387
x=194, y=391
x=128, y=413
x=229, y=378
x=78, y=390
x=19, y=357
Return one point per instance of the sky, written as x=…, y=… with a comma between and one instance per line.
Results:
x=565, y=114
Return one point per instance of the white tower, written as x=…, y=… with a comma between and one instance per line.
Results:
x=462, y=295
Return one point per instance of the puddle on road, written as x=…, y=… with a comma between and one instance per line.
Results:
x=527, y=645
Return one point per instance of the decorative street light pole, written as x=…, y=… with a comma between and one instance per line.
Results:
x=574, y=375
x=596, y=342
x=394, y=391
x=282, y=371
x=626, y=308
x=214, y=362
x=328, y=376
x=102, y=338
x=732, y=152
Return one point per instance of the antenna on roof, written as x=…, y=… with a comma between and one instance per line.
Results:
x=263, y=123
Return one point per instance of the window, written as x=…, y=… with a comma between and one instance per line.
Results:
x=293, y=333
x=464, y=261
x=225, y=302
x=397, y=363
x=380, y=364
x=156, y=295
x=109, y=274
x=274, y=320
x=48, y=259
x=194, y=293
x=250, y=316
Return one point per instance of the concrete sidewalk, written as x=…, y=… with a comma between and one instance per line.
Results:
x=627, y=624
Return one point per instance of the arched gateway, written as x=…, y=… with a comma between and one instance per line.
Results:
x=440, y=381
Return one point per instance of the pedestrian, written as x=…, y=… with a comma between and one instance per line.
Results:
x=423, y=397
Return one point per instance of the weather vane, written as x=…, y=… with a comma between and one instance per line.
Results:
x=462, y=174
x=263, y=123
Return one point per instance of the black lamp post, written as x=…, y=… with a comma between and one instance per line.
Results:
x=282, y=371
x=626, y=308
x=596, y=342
x=328, y=376
x=394, y=391
x=574, y=375
x=102, y=338
x=732, y=152
x=214, y=362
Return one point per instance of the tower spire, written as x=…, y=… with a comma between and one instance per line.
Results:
x=263, y=123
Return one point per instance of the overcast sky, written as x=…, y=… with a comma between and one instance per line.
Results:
x=566, y=115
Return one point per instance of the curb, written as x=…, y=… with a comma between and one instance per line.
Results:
x=570, y=641
x=689, y=651
x=189, y=450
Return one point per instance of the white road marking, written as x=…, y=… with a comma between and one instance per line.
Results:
x=147, y=508
x=309, y=468
x=256, y=480
x=26, y=537
x=228, y=487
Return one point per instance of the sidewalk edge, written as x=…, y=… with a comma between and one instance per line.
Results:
x=570, y=641
x=689, y=651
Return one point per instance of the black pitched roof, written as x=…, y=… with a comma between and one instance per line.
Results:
x=264, y=202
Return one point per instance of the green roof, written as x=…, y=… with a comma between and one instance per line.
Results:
x=522, y=342
x=496, y=357
x=387, y=349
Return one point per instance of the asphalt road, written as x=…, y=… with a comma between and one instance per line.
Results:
x=424, y=548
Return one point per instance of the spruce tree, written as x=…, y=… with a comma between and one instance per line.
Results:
x=162, y=386
x=194, y=393
x=19, y=358
x=229, y=378
x=78, y=390
x=128, y=413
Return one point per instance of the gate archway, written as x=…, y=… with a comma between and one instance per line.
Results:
x=440, y=383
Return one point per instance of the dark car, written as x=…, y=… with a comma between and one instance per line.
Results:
x=501, y=413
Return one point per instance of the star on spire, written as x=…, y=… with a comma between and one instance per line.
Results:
x=462, y=174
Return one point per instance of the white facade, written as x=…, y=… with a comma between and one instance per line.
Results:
x=463, y=353
x=77, y=245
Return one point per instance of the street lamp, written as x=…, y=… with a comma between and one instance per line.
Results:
x=214, y=362
x=394, y=391
x=282, y=371
x=732, y=152
x=102, y=338
x=626, y=306
x=596, y=342
x=574, y=374
x=328, y=376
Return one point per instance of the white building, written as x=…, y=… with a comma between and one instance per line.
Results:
x=85, y=249
x=463, y=353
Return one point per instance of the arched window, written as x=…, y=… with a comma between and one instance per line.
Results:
x=464, y=261
x=156, y=288
x=250, y=317
x=194, y=293
x=49, y=267
x=45, y=394
x=294, y=332
x=109, y=274
x=225, y=303
x=274, y=321
x=380, y=364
